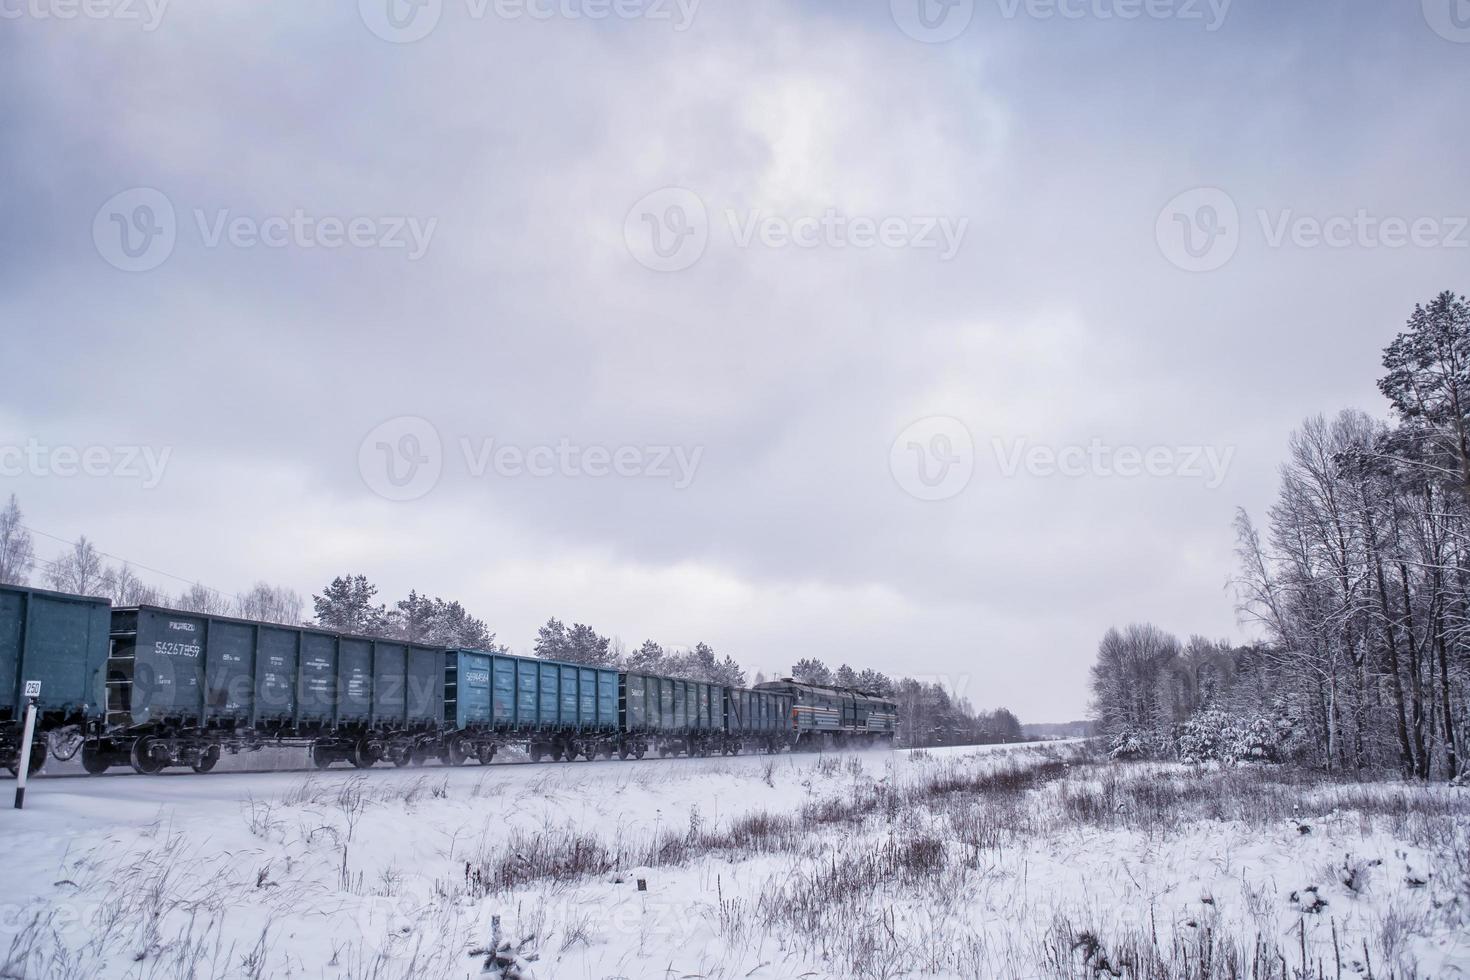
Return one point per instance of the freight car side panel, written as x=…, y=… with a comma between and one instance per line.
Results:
x=12, y=625
x=424, y=685
x=354, y=680
x=390, y=701
x=633, y=711
x=568, y=699
x=318, y=689
x=587, y=697
x=472, y=695
x=528, y=674
x=59, y=640
x=229, y=672
x=549, y=695
x=275, y=675
x=503, y=691
x=168, y=666
x=666, y=712
x=607, y=699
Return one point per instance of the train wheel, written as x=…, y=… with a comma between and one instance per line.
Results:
x=485, y=754
x=639, y=751
x=400, y=755
x=94, y=760
x=538, y=752
x=364, y=754
x=207, y=759
x=454, y=754
x=320, y=757
x=142, y=756
x=624, y=752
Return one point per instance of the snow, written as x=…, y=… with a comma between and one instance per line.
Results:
x=392, y=873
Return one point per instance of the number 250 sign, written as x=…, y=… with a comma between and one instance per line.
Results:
x=33, y=689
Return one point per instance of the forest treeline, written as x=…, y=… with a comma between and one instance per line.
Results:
x=1358, y=582
x=928, y=714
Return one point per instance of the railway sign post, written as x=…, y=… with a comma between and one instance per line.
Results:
x=33, y=691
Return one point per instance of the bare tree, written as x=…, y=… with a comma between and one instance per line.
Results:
x=200, y=598
x=17, y=556
x=79, y=570
x=271, y=604
x=124, y=588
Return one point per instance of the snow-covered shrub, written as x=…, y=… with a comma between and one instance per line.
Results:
x=1131, y=743
x=1210, y=736
x=1218, y=736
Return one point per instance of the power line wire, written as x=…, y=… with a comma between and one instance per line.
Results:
x=131, y=564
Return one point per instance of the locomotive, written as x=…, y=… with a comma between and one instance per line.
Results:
x=152, y=688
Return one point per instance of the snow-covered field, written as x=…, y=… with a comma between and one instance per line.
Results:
x=1029, y=862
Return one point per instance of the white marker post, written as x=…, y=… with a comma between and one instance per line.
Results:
x=33, y=691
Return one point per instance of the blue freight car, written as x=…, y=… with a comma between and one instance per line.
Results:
x=556, y=709
x=61, y=641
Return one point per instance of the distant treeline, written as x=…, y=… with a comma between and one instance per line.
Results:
x=927, y=713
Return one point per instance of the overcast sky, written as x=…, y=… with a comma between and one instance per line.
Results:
x=827, y=283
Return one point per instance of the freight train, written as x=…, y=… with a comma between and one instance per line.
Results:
x=154, y=688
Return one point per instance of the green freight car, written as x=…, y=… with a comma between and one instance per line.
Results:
x=61, y=641
x=757, y=720
x=185, y=687
x=558, y=709
x=670, y=715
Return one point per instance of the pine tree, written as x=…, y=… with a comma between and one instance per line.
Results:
x=347, y=605
x=809, y=670
x=551, y=640
x=647, y=659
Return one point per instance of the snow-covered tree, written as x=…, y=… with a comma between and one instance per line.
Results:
x=347, y=605
x=809, y=670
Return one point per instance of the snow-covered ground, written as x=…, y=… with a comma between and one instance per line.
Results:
x=939, y=863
